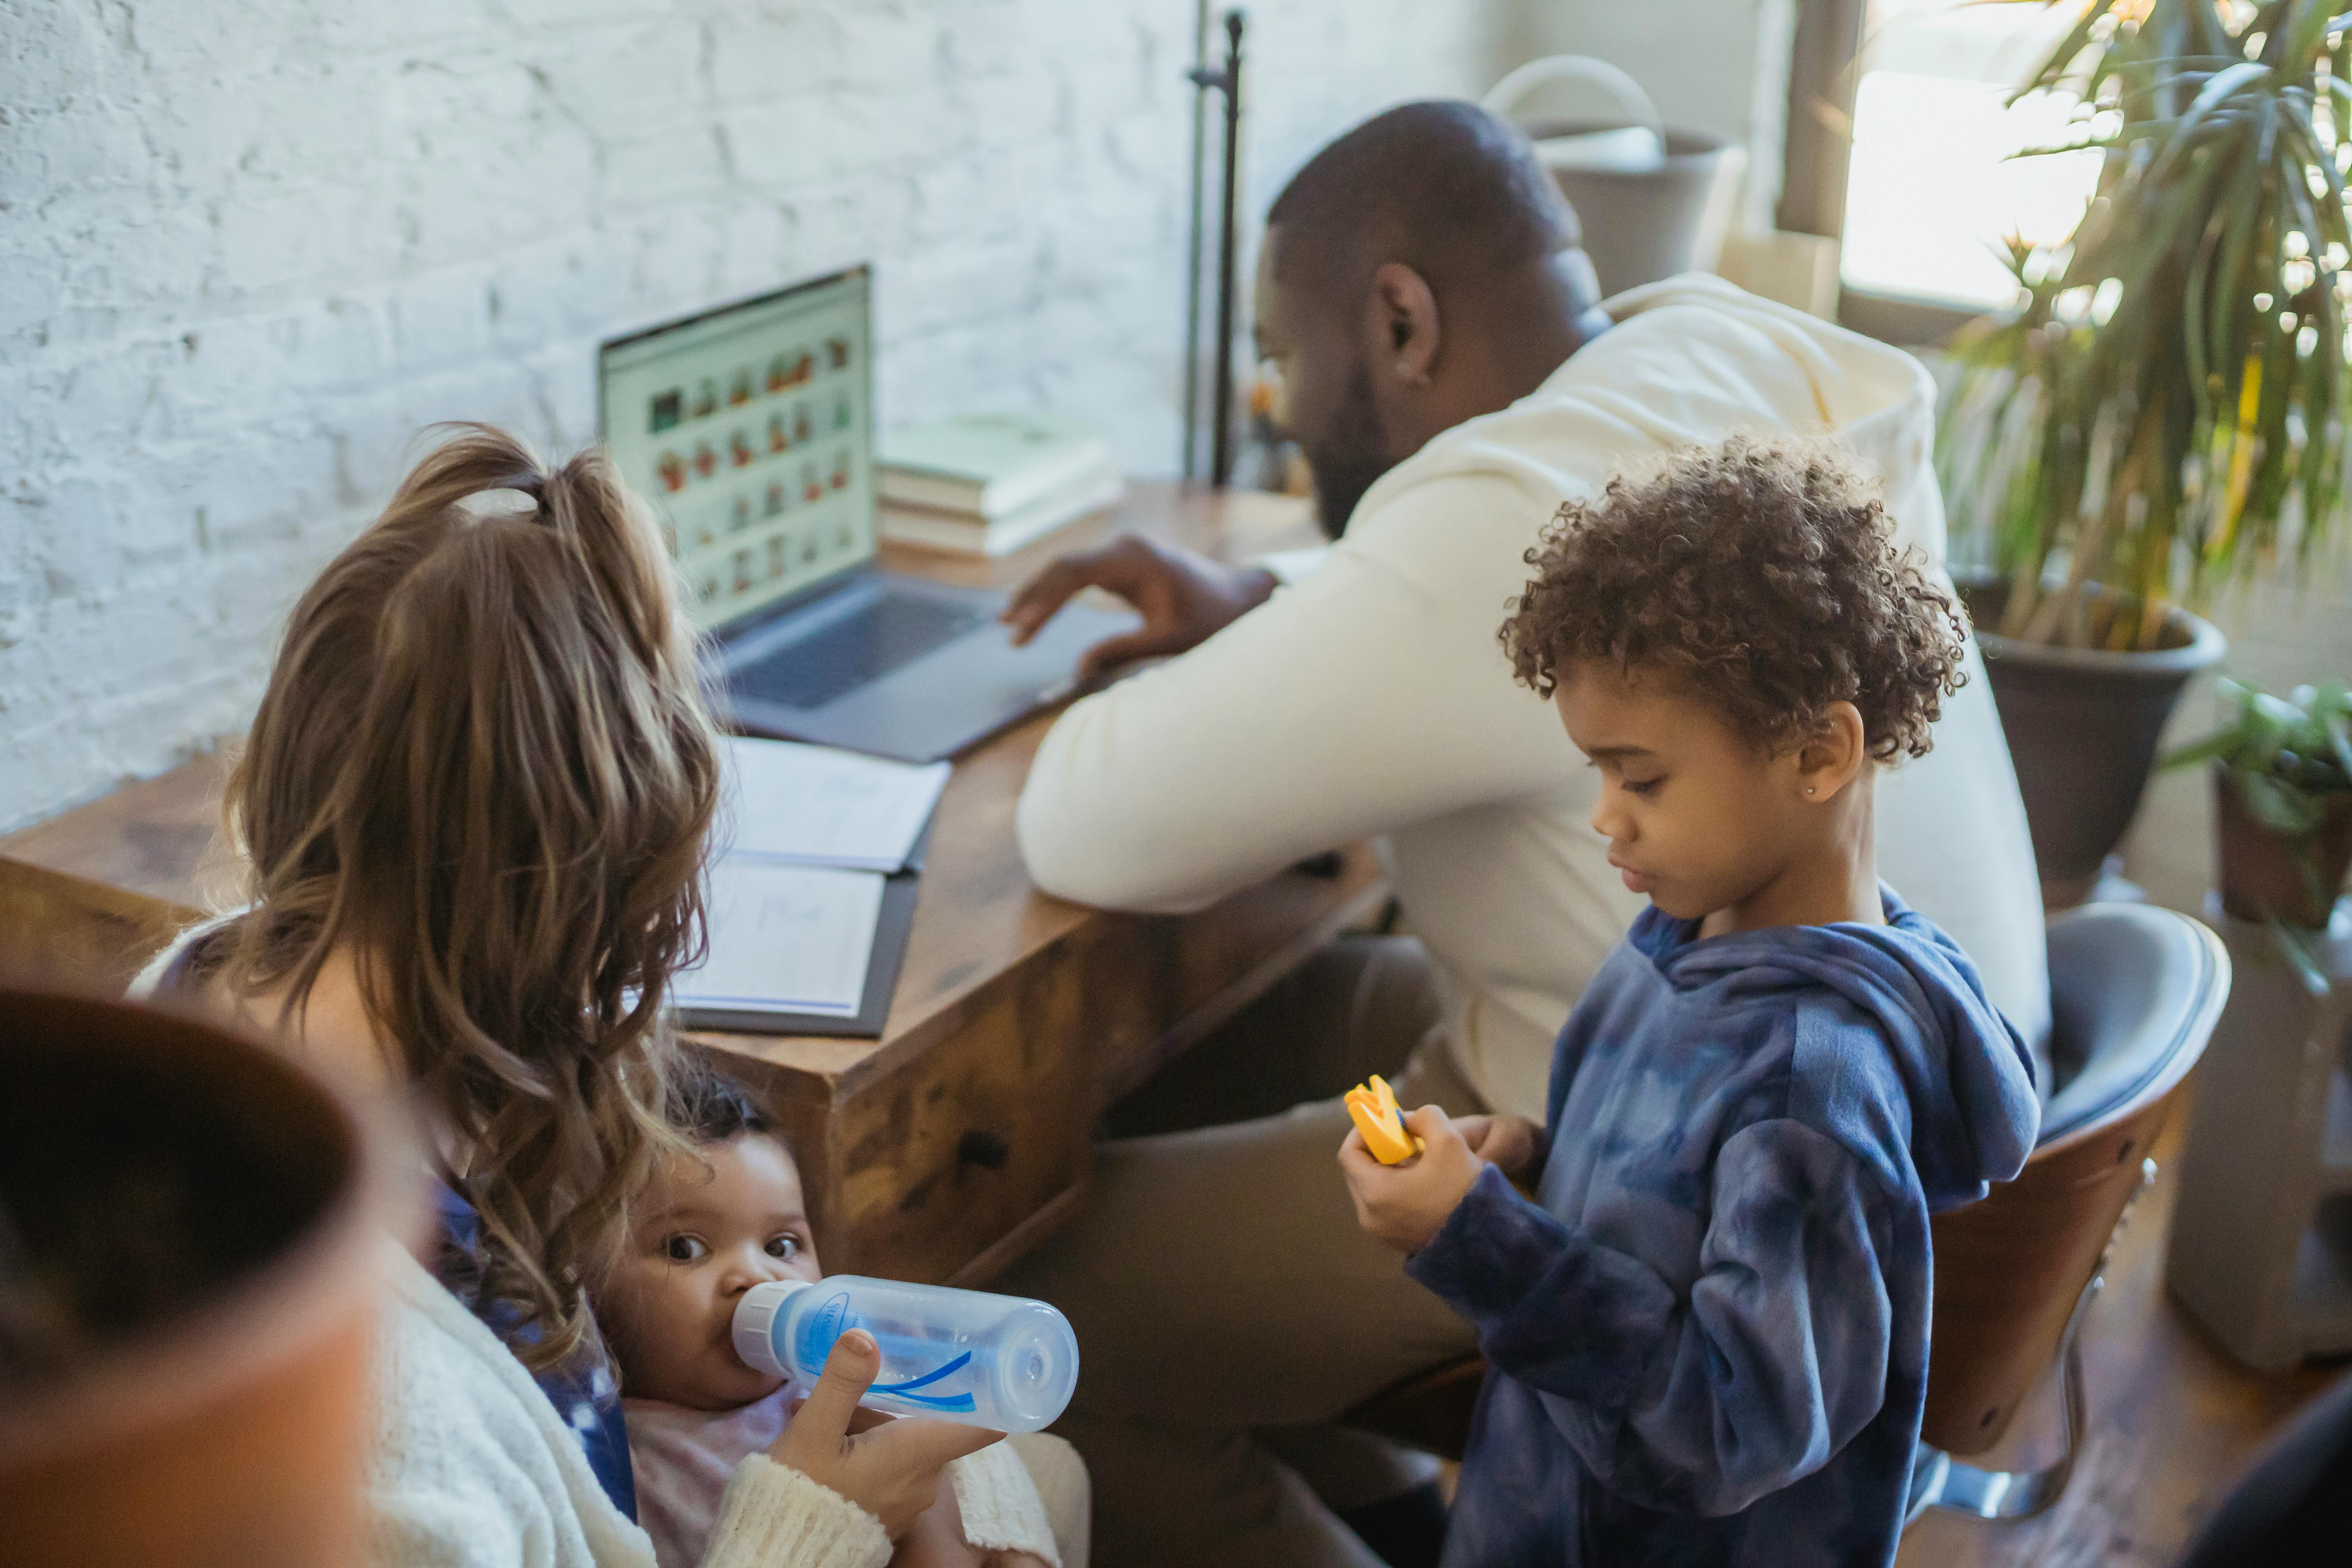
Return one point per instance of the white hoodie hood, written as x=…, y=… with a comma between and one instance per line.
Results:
x=1693, y=360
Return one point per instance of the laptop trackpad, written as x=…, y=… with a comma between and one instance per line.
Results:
x=915, y=673
x=881, y=635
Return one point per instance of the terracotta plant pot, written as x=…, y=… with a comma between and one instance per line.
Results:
x=2262, y=868
x=2083, y=725
x=186, y=1297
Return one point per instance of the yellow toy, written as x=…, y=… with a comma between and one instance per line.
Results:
x=1376, y=1117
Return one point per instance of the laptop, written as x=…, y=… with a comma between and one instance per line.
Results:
x=752, y=428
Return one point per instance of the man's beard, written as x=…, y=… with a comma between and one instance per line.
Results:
x=1346, y=465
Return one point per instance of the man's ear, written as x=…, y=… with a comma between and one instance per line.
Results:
x=1835, y=755
x=1402, y=320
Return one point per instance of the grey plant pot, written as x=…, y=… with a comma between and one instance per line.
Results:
x=1641, y=226
x=2083, y=725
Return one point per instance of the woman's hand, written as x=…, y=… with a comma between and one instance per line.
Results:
x=1509, y=1143
x=1405, y=1204
x=890, y=1468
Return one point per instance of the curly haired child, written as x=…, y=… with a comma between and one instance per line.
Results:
x=1707, y=1330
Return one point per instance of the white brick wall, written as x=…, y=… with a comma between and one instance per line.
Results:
x=247, y=247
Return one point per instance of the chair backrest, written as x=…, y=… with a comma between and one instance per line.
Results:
x=60, y=929
x=2134, y=993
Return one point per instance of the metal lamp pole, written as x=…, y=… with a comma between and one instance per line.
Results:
x=1227, y=81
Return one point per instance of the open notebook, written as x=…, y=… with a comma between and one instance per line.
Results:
x=812, y=899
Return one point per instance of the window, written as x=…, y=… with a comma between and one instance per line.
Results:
x=1933, y=190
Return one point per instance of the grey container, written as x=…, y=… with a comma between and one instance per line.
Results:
x=1643, y=225
x=1652, y=201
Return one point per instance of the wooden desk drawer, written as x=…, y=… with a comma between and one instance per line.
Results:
x=951, y=1164
x=939, y=1164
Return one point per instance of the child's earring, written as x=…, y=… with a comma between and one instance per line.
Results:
x=1809, y=789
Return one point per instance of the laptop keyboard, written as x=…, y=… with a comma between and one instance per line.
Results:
x=889, y=631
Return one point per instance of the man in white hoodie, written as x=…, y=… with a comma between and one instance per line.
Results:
x=1453, y=380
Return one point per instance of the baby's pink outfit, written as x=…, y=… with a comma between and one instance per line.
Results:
x=683, y=1459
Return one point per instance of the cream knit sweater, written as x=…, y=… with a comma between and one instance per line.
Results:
x=686, y=1459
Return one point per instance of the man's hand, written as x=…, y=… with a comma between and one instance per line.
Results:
x=1509, y=1143
x=890, y=1468
x=1406, y=1205
x=1184, y=598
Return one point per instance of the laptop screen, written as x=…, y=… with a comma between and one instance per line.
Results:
x=750, y=427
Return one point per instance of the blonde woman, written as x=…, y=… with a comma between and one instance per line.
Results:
x=472, y=811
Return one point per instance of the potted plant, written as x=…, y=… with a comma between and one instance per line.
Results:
x=2281, y=803
x=190, y=1236
x=2165, y=412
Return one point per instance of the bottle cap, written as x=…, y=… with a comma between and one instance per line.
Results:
x=755, y=1316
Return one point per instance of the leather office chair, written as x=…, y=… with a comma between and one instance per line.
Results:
x=2134, y=995
x=2135, y=992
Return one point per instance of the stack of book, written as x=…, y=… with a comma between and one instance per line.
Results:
x=984, y=484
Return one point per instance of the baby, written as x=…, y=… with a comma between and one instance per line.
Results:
x=1707, y=1332
x=709, y=1227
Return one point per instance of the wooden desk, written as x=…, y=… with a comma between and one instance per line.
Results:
x=957, y=1141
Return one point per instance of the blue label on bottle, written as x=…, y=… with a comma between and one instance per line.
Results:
x=832, y=1318
x=820, y=1329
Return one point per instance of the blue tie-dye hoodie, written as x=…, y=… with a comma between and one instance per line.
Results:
x=1707, y=1340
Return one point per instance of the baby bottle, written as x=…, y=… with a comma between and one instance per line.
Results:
x=1000, y=1362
